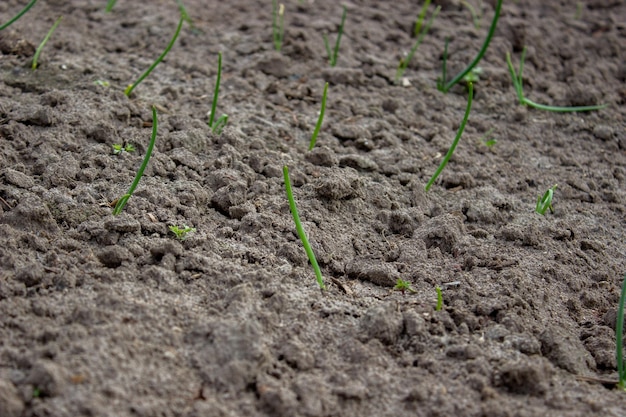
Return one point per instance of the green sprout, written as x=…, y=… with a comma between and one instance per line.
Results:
x=278, y=24
x=439, y=299
x=444, y=86
x=102, y=83
x=181, y=232
x=403, y=286
x=121, y=202
x=544, y=203
x=43, y=43
x=404, y=62
x=332, y=56
x=18, y=15
x=473, y=76
x=185, y=15
x=126, y=147
x=420, y=18
x=300, y=229
x=518, y=84
x=487, y=139
x=619, y=338
x=131, y=87
x=110, y=5
x=475, y=15
x=318, y=126
x=445, y=160
x=218, y=125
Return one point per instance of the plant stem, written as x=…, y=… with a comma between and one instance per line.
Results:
x=404, y=63
x=445, y=160
x=420, y=18
x=20, y=14
x=43, y=43
x=124, y=199
x=492, y=29
x=318, y=126
x=300, y=229
x=110, y=5
x=130, y=88
x=217, y=89
x=333, y=58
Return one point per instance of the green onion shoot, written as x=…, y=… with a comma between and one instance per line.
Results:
x=19, y=14
x=320, y=119
x=332, y=56
x=43, y=43
x=217, y=126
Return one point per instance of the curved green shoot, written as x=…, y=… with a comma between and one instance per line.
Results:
x=278, y=24
x=300, y=229
x=445, y=87
x=404, y=62
x=439, y=299
x=121, y=202
x=43, y=43
x=420, y=18
x=444, y=162
x=332, y=56
x=217, y=126
x=320, y=119
x=519, y=89
x=619, y=338
x=545, y=202
x=110, y=5
x=131, y=87
x=20, y=14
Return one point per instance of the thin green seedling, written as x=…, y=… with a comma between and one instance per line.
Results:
x=320, y=119
x=402, y=285
x=131, y=87
x=519, y=89
x=109, y=6
x=619, y=338
x=181, y=232
x=18, y=15
x=476, y=17
x=218, y=125
x=332, y=56
x=420, y=18
x=545, y=202
x=439, y=305
x=43, y=43
x=185, y=15
x=444, y=86
x=121, y=202
x=278, y=24
x=300, y=229
x=446, y=158
x=404, y=62
x=126, y=147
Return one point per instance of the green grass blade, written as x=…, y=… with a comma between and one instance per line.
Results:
x=110, y=5
x=185, y=15
x=619, y=337
x=515, y=79
x=333, y=60
x=217, y=89
x=559, y=109
x=131, y=87
x=405, y=62
x=420, y=18
x=439, y=299
x=445, y=160
x=43, y=43
x=481, y=53
x=20, y=14
x=320, y=119
x=124, y=199
x=300, y=229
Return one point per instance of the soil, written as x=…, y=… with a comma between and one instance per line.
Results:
x=104, y=315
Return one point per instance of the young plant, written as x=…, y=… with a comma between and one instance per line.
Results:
x=475, y=16
x=619, y=338
x=181, y=232
x=121, y=202
x=518, y=84
x=278, y=24
x=218, y=125
x=445, y=160
x=420, y=18
x=444, y=86
x=126, y=147
x=439, y=299
x=318, y=126
x=18, y=15
x=403, y=286
x=544, y=203
x=131, y=87
x=300, y=229
x=332, y=56
x=404, y=62
x=43, y=43
x=185, y=15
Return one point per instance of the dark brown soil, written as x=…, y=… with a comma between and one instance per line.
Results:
x=104, y=315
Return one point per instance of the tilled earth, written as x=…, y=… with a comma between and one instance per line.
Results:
x=104, y=315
